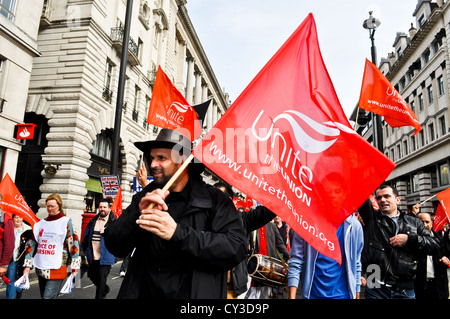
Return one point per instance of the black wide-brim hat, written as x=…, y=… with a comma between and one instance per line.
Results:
x=170, y=139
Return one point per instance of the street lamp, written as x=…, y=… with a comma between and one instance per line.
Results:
x=372, y=24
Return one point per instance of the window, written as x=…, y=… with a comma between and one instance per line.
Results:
x=102, y=146
x=156, y=36
x=421, y=102
x=415, y=183
x=422, y=20
x=427, y=56
x=422, y=138
x=434, y=178
x=412, y=105
x=431, y=132
x=405, y=147
x=441, y=85
x=7, y=8
x=413, y=143
x=135, y=113
x=107, y=93
x=442, y=125
x=443, y=174
x=430, y=94
x=402, y=83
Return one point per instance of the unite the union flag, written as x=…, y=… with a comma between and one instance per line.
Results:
x=287, y=143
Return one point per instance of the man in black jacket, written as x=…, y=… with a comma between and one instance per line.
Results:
x=393, y=241
x=184, y=244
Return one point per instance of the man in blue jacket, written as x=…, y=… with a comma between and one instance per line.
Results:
x=321, y=276
x=93, y=245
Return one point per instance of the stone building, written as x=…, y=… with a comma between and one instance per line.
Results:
x=19, y=26
x=419, y=68
x=73, y=90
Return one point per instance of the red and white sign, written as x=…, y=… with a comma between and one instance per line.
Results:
x=287, y=143
x=25, y=131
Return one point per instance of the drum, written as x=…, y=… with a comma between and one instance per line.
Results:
x=267, y=270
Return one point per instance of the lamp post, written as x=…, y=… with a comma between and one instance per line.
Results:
x=120, y=90
x=371, y=24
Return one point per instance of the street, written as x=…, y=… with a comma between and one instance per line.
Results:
x=82, y=289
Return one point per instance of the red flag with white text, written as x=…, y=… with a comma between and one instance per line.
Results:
x=169, y=109
x=379, y=96
x=116, y=206
x=12, y=202
x=287, y=143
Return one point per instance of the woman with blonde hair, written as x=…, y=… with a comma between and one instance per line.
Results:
x=54, y=246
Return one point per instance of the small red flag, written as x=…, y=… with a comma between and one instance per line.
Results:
x=379, y=96
x=169, y=109
x=12, y=201
x=116, y=206
x=287, y=143
x=444, y=200
x=440, y=218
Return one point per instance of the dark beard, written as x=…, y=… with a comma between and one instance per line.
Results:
x=160, y=181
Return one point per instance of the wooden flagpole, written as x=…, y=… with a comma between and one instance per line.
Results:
x=426, y=200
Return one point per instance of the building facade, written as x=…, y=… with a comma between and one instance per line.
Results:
x=19, y=26
x=419, y=68
x=73, y=88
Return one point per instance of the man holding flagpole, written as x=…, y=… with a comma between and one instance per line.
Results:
x=183, y=240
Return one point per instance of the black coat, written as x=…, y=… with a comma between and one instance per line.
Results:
x=398, y=265
x=208, y=241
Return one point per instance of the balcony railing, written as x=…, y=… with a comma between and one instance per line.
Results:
x=133, y=48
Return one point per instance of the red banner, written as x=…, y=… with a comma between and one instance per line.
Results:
x=116, y=206
x=12, y=201
x=287, y=143
x=169, y=109
x=379, y=96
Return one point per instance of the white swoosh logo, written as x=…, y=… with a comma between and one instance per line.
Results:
x=306, y=142
x=180, y=107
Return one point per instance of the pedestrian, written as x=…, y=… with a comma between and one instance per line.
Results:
x=6, y=244
x=431, y=279
x=237, y=281
x=184, y=244
x=53, y=246
x=321, y=276
x=392, y=242
x=93, y=245
x=22, y=233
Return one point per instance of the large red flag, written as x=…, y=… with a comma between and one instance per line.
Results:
x=169, y=109
x=379, y=96
x=287, y=143
x=12, y=201
x=116, y=206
